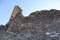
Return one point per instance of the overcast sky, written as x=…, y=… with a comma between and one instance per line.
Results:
x=28, y=6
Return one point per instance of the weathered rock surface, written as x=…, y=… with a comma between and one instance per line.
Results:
x=39, y=25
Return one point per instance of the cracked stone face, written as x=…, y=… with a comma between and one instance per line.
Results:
x=35, y=26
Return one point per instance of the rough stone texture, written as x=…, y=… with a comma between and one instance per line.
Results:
x=39, y=25
x=15, y=11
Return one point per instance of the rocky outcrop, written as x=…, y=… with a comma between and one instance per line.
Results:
x=3, y=27
x=39, y=25
x=15, y=11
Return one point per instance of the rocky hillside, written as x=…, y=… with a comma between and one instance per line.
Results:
x=39, y=25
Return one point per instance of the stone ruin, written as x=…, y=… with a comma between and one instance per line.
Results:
x=39, y=25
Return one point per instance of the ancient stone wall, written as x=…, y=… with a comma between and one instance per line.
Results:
x=37, y=24
x=15, y=11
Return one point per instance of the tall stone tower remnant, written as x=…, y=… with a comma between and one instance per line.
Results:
x=16, y=10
